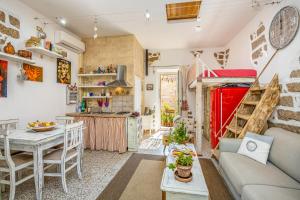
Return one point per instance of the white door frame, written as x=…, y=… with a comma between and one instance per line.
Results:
x=161, y=71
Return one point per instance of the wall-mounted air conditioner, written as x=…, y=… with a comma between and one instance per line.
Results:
x=69, y=42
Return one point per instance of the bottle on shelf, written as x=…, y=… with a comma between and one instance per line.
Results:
x=83, y=105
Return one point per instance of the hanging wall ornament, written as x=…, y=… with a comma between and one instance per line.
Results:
x=22, y=75
x=284, y=27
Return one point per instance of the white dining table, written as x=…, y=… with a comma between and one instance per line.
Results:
x=36, y=142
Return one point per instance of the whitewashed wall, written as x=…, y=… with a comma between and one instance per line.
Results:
x=30, y=101
x=287, y=114
x=284, y=62
x=169, y=59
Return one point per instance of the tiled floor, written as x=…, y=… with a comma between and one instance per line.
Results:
x=206, y=149
x=99, y=168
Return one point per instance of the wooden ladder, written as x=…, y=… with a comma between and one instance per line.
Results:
x=253, y=111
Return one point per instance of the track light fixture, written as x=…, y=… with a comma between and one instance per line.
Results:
x=95, y=28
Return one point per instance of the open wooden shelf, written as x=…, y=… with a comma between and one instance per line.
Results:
x=100, y=86
x=91, y=75
x=92, y=86
x=15, y=58
x=97, y=97
x=45, y=52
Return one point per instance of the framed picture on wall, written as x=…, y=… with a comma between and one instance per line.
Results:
x=63, y=71
x=33, y=73
x=149, y=86
x=3, y=78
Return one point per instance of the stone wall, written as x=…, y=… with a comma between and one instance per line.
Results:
x=124, y=50
x=9, y=26
x=287, y=113
x=139, y=63
x=110, y=50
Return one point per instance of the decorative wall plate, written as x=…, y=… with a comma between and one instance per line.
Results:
x=284, y=27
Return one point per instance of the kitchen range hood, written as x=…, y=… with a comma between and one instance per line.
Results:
x=120, y=80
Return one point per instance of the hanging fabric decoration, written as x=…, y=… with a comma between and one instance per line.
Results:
x=183, y=73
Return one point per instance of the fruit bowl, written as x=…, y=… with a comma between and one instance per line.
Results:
x=41, y=126
x=185, y=151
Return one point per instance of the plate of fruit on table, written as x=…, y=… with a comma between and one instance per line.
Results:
x=185, y=151
x=41, y=126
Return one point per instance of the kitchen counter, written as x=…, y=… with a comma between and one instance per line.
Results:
x=107, y=115
x=104, y=131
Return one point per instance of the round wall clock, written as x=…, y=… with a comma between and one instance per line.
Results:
x=284, y=27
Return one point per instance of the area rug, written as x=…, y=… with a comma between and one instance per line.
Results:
x=140, y=178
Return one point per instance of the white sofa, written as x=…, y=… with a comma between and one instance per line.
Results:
x=248, y=179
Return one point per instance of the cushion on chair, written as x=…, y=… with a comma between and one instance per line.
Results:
x=259, y=192
x=285, y=151
x=56, y=155
x=243, y=171
x=18, y=159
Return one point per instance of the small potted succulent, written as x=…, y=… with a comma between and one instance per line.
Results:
x=183, y=166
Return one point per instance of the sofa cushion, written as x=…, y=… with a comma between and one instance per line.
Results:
x=243, y=171
x=258, y=192
x=285, y=151
x=256, y=147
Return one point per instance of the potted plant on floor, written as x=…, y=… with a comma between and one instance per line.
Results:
x=163, y=119
x=183, y=166
x=179, y=134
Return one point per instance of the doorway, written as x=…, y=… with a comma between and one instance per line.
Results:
x=168, y=98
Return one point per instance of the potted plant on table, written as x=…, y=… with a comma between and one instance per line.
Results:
x=183, y=166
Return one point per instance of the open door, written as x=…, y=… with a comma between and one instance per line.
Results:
x=169, y=98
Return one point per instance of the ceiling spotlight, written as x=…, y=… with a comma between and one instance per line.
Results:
x=147, y=15
x=198, y=28
x=95, y=36
x=63, y=21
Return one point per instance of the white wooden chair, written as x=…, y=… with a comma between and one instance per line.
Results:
x=10, y=165
x=64, y=120
x=11, y=122
x=72, y=149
